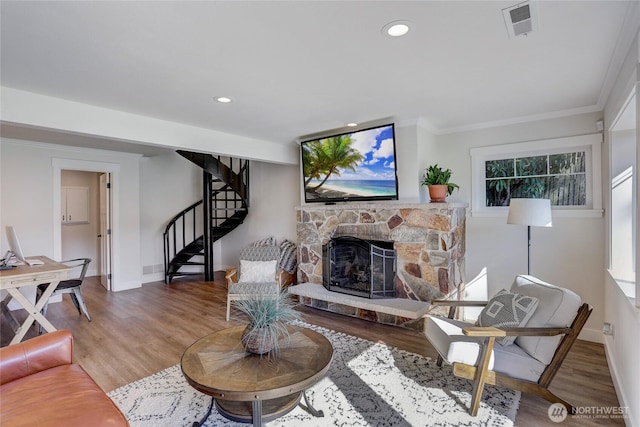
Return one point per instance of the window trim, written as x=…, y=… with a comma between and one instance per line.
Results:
x=624, y=286
x=591, y=143
x=622, y=276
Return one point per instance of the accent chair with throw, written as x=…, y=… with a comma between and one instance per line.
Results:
x=519, y=341
x=257, y=275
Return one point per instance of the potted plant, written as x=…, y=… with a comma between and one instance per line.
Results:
x=268, y=317
x=437, y=179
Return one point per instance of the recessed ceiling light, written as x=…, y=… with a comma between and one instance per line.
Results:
x=223, y=99
x=352, y=124
x=396, y=28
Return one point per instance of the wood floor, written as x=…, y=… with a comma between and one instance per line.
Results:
x=139, y=332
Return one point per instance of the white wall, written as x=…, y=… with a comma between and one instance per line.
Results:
x=623, y=347
x=570, y=254
x=168, y=184
x=426, y=157
x=624, y=154
x=407, y=162
x=26, y=201
x=274, y=194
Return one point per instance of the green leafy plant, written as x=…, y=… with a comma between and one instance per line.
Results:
x=268, y=317
x=435, y=175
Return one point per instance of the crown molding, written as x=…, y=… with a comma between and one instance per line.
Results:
x=628, y=34
x=521, y=119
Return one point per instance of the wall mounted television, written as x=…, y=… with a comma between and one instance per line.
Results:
x=351, y=166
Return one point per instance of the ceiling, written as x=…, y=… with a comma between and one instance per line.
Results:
x=296, y=68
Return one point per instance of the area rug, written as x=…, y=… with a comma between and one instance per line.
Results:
x=368, y=384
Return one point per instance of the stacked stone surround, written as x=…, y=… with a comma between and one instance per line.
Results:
x=429, y=240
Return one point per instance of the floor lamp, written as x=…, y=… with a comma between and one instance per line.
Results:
x=530, y=212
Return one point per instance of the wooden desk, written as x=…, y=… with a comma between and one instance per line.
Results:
x=250, y=388
x=24, y=275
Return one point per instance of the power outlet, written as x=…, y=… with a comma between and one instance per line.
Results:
x=607, y=328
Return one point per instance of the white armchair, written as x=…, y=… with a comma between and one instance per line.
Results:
x=532, y=360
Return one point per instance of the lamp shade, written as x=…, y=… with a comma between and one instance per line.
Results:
x=534, y=212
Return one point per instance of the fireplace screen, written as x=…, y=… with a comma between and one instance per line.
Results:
x=359, y=267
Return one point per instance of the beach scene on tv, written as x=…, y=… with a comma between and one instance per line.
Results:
x=354, y=165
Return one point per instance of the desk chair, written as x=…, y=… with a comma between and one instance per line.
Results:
x=71, y=287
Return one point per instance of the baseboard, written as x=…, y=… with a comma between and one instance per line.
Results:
x=123, y=286
x=154, y=277
x=623, y=401
x=159, y=277
x=593, y=335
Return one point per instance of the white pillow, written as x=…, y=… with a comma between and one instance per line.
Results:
x=257, y=271
x=557, y=309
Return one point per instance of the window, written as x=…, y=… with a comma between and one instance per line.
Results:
x=559, y=177
x=623, y=227
x=564, y=170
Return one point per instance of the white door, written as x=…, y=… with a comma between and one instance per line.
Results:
x=105, y=230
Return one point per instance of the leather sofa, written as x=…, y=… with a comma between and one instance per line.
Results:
x=41, y=386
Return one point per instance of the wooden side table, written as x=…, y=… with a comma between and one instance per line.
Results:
x=250, y=388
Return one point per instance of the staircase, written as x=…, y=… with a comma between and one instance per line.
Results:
x=189, y=236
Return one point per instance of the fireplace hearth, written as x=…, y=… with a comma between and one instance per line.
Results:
x=359, y=267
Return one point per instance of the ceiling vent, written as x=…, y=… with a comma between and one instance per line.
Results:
x=519, y=19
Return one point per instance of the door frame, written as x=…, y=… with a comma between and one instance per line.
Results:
x=104, y=204
x=58, y=165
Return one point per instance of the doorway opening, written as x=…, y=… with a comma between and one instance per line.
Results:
x=76, y=182
x=85, y=220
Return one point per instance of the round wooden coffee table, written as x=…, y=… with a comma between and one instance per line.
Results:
x=251, y=388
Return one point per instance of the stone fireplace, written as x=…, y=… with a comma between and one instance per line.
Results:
x=428, y=239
